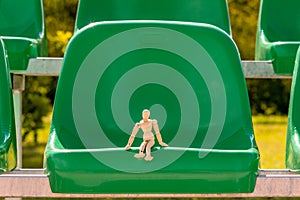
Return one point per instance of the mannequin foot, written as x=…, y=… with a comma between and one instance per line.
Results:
x=139, y=155
x=148, y=158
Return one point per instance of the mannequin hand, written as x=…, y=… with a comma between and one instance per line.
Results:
x=127, y=147
x=163, y=144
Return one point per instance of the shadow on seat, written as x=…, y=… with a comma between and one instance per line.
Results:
x=22, y=29
x=188, y=74
x=278, y=34
x=8, y=155
x=293, y=136
x=203, y=11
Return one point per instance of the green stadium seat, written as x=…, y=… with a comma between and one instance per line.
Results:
x=278, y=34
x=203, y=11
x=293, y=130
x=23, y=31
x=188, y=74
x=8, y=155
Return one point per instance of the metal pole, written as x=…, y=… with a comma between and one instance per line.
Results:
x=18, y=87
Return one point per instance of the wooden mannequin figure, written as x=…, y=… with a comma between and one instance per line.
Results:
x=146, y=125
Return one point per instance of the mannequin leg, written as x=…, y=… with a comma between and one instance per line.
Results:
x=148, y=150
x=142, y=148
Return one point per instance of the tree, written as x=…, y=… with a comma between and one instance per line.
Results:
x=39, y=94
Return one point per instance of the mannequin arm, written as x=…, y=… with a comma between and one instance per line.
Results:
x=133, y=134
x=158, y=135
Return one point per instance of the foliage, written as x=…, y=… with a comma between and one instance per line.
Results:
x=60, y=19
x=270, y=96
x=243, y=18
x=35, y=104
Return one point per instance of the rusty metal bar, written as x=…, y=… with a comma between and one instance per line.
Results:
x=34, y=183
x=48, y=66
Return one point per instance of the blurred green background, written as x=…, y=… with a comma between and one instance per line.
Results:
x=269, y=98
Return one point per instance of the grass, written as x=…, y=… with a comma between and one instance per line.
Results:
x=270, y=134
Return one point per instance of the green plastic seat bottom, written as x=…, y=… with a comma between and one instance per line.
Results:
x=283, y=56
x=19, y=50
x=114, y=170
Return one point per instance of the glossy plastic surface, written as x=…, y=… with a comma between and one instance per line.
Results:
x=210, y=12
x=293, y=134
x=22, y=29
x=278, y=33
x=189, y=75
x=8, y=156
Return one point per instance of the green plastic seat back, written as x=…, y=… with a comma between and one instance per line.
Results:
x=294, y=106
x=293, y=129
x=21, y=18
x=189, y=76
x=7, y=123
x=296, y=94
x=212, y=12
x=280, y=20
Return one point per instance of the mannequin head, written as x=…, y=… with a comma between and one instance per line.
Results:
x=146, y=114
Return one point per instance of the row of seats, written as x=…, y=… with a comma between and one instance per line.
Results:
x=22, y=36
x=23, y=27
x=185, y=69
